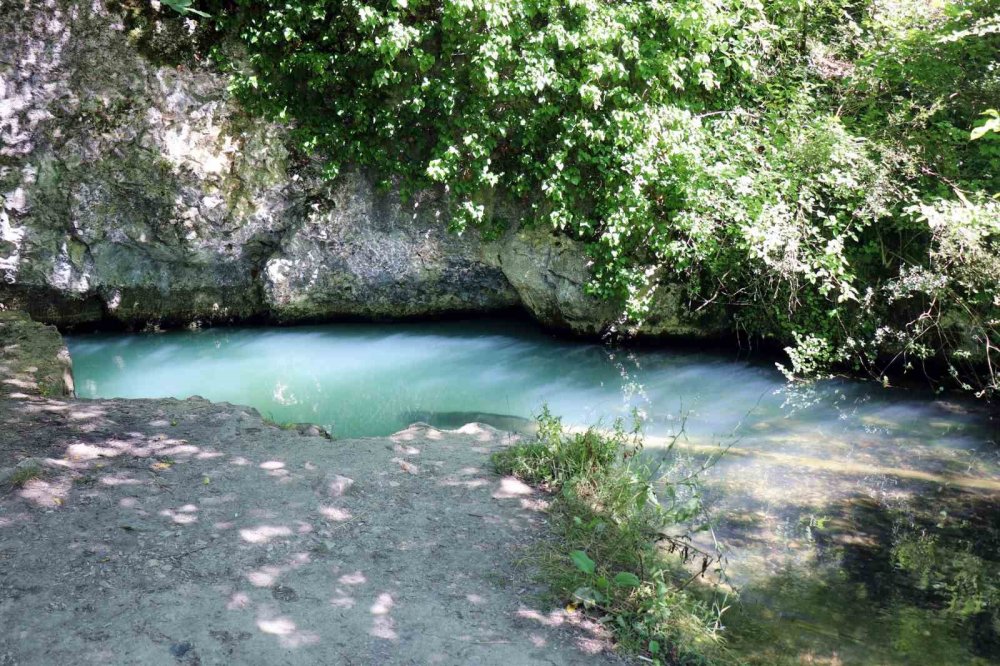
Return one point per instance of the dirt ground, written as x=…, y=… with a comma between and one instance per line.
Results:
x=189, y=532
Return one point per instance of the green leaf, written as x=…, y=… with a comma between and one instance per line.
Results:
x=588, y=595
x=582, y=562
x=979, y=132
x=183, y=7
x=991, y=125
x=626, y=579
x=654, y=647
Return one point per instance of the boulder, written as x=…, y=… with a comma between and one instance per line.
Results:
x=550, y=273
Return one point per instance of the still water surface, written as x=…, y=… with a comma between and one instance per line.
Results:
x=859, y=525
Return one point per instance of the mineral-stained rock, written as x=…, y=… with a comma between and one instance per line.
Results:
x=33, y=358
x=550, y=273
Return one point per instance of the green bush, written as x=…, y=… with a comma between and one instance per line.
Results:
x=611, y=513
x=556, y=458
x=767, y=155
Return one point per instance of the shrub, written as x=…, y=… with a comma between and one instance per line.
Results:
x=610, y=556
x=764, y=154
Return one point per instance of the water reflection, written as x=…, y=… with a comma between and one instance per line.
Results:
x=868, y=580
x=859, y=524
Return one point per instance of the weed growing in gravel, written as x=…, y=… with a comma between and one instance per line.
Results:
x=612, y=556
x=24, y=474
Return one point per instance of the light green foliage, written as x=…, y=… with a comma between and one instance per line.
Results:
x=611, y=512
x=554, y=458
x=767, y=155
x=966, y=583
x=992, y=124
x=184, y=7
x=24, y=474
x=958, y=287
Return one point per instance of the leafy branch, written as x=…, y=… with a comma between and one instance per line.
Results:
x=183, y=7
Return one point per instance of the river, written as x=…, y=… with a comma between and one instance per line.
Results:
x=858, y=524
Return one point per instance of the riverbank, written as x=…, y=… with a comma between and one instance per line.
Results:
x=185, y=531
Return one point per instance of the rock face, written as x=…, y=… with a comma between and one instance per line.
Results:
x=129, y=190
x=550, y=273
x=33, y=359
x=137, y=191
x=365, y=253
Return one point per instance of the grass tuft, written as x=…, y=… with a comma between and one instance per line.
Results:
x=609, y=557
x=22, y=475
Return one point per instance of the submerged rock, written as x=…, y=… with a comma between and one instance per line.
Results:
x=455, y=420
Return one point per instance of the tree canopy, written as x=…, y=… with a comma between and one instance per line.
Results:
x=826, y=169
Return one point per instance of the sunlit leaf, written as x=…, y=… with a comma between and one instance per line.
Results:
x=582, y=561
x=588, y=595
x=627, y=579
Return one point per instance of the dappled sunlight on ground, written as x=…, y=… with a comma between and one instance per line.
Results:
x=199, y=531
x=335, y=513
x=356, y=578
x=184, y=515
x=512, y=488
x=591, y=637
x=289, y=635
x=48, y=494
x=382, y=623
x=264, y=533
x=268, y=576
x=342, y=600
x=238, y=601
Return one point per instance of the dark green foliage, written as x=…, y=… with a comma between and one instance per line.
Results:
x=797, y=162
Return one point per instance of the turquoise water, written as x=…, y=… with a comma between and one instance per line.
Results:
x=859, y=524
x=366, y=380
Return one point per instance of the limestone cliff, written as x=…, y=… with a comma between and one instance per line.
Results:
x=135, y=190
